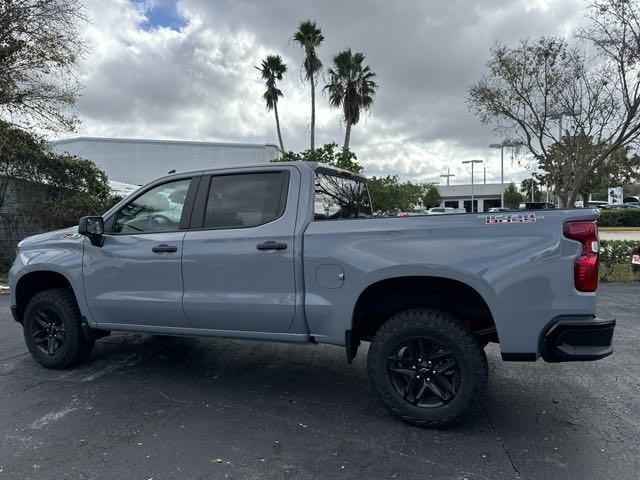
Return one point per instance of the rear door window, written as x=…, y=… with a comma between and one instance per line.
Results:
x=245, y=200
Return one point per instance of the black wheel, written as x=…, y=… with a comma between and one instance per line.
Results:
x=427, y=367
x=53, y=330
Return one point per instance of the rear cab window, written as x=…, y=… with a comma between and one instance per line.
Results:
x=340, y=197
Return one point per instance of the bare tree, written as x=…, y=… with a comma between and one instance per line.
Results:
x=39, y=46
x=547, y=93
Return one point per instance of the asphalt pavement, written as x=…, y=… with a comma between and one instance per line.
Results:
x=146, y=407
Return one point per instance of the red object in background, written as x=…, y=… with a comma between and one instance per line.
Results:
x=585, y=268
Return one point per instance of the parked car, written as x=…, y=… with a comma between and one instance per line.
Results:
x=536, y=206
x=290, y=252
x=498, y=209
x=418, y=211
x=441, y=210
x=618, y=206
x=596, y=205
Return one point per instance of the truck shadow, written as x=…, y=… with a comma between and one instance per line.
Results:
x=315, y=380
x=237, y=393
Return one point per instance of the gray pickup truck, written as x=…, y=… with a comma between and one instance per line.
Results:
x=291, y=252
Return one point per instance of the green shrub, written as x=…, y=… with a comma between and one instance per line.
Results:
x=624, y=217
x=615, y=260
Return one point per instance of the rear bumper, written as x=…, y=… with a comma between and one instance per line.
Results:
x=571, y=339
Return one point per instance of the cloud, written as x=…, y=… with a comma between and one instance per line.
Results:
x=185, y=70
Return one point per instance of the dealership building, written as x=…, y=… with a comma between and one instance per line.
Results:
x=136, y=162
x=485, y=196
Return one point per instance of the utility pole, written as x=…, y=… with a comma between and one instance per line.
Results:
x=485, y=174
x=472, y=162
x=448, y=175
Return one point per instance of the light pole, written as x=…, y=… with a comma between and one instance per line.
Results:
x=448, y=175
x=472, y=162
x=501, y=145
x=558, y=116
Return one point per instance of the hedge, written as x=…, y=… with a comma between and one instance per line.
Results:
x=624, y=217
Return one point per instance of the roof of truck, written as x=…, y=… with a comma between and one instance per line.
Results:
x=315, y=166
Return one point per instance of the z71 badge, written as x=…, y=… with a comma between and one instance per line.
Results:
x=510, y=218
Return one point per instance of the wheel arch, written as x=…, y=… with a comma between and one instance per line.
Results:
x=383, y=298
x=37, y=281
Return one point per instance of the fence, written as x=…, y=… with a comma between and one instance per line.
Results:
x=19, y=216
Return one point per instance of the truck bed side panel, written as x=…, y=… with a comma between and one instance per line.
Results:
x=524, y=271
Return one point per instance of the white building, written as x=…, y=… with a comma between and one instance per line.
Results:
x=485, y=196
x=137, y=162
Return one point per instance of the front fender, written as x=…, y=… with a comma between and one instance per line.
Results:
x=63, y=256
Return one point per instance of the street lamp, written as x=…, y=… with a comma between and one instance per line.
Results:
x=501, y=145
x=558, y=116
x=472, y=162
x=505, y=143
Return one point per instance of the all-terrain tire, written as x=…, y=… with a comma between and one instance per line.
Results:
x=442, y=329
x=60, y=304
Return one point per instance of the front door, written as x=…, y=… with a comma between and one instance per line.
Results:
x=238, y=255
x=135, y=278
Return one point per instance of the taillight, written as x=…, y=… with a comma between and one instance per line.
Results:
x=585, y=268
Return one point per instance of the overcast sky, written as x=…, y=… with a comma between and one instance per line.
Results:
x=185, y=70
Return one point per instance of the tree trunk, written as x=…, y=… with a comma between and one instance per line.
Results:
x=585, y=198
x=313, y=112
x=347, y=136
x=572, y=199
x=563, y=199
x=275, y=109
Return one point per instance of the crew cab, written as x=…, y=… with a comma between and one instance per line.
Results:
x=291, y=252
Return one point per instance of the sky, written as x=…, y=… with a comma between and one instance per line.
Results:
x=184, y=70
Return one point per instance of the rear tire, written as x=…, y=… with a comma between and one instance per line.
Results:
x=427, y=368
x=52, y=327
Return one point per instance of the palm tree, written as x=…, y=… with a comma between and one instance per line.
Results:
x=309, y=37
x=272, y=69
x=351, y=87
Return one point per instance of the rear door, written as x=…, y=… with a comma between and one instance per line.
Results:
x=238, y=256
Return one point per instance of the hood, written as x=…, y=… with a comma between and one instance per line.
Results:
x=70, y=233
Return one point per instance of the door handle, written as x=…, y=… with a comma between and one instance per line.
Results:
x=164, y=248
x=271, y=245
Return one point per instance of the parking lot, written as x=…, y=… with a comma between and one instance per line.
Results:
x=157, y=407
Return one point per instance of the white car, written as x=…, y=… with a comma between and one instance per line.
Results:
x=441, y=210
x=498, y=209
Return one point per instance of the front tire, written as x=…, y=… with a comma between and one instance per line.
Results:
x=52, y=328
x=427, y=367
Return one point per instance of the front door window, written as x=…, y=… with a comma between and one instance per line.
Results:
x=157, y=210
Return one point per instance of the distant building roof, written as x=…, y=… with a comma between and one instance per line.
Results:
x=479, y=189
x=122, y=189
x=166, y=142
x=138, y=161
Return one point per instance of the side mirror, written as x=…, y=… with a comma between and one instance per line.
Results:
x=92, y=227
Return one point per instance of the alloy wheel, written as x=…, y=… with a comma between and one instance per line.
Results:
x=423, y=372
